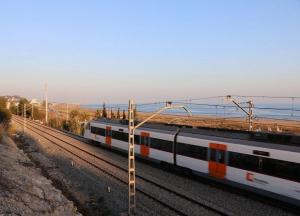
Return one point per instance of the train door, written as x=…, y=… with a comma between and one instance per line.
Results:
x=145, y=144
x=217, y=160
x=108, y=135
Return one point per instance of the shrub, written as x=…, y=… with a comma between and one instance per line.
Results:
x=5, y=117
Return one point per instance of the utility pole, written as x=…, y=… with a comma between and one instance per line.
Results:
x=32, y=111
x=131, y=161
x=131, y=157
x=46, y=102
x=24, y=115
x=249, y=113
x=67, y=112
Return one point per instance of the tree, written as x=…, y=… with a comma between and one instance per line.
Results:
x=112, y=114
x=98, y=114
x=21, y=106
x=104, y=113
x=135, y=112
x=75, y=122
x=3, y=102
x=124, y=115
x=65, y=125
x=118, y=114
x=5, y=117
x=13, y=108
x=55, y=123
x=37, y=114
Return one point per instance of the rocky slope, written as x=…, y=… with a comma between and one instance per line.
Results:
x=23, y=188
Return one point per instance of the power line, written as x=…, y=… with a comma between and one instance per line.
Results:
x=265, y=96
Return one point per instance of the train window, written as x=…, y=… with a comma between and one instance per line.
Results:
x=260, y=163
x=262, y=153
x=108, y=133
x=213, y=155
x=164, y=145
x=282, y=169
x=94, y=130
x=221, y=156
x=145, y=140
x=98, y=131
x=102, y=131
x=136, y=139
x=243, y=161
x=268, y=166
x=120, y=136
x=193, y=151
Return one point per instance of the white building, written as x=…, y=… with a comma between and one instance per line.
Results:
x=35, y=102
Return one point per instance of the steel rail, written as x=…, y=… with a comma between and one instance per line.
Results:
x=121, y=168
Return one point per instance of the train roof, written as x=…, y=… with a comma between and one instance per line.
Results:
x=262, y=144
x=154, y=128
x=259, y=139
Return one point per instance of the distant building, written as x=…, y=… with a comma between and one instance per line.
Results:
x=12, y=101
x=35, y=102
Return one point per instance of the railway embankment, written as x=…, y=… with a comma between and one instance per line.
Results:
x=62, y=172
x=99, y=174
x=24, y=190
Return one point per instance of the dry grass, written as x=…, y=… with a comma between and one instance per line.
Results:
x=269, y=125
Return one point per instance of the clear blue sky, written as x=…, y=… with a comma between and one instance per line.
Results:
x=94, y=51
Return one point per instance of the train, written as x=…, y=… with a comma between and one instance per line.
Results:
x=263, y=163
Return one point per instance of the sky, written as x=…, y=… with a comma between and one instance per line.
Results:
x=109, y=51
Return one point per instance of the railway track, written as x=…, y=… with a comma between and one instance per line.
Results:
x=57, y=140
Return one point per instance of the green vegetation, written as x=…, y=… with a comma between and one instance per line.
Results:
x=124, y=115
x=22, y=102
x=31, y=112
x=3, y=102
x=98, y=113
x=112, y=114
x=135, y=112
x=5, y=115
x=104, y=113
x=13, y=108
x=76, y=122
x=118, y=114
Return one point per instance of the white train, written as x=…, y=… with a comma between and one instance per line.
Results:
x=239, y=159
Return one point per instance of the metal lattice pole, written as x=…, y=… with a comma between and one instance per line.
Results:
x=250, y=115
x=24, y=115
x=46, y=103
x=131, y=160
x=67, y=112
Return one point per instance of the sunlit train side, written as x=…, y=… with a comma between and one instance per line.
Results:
x=266, y=168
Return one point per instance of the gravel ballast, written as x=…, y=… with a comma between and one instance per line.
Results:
x=116, y=199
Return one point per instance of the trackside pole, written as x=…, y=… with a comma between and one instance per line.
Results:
x=131, y=161
x=24, y=115
x=46, y=103
x=250, y=115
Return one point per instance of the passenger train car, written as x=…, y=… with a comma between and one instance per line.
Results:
x=267, y=164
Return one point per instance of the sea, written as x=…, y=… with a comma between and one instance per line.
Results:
x=282, y=111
